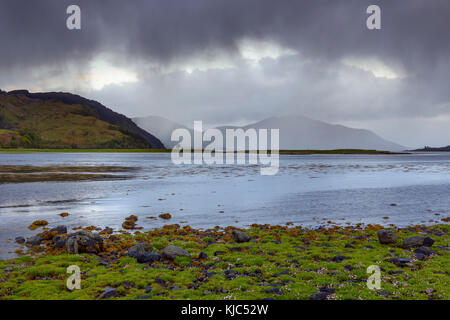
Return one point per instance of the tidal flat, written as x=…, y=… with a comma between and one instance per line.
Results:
x=29, y=173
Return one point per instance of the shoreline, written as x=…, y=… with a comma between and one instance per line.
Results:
x=259, y=262
x=286, y=152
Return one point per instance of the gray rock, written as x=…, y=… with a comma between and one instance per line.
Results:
x=274, y=291
x=149, y=257
x=387, y=236
x=108, y=293
x=142, y=253
x=34, y=241
x=240, y=236
x=84, y=242
x=59, y=242
x=59, y=229
x=426, y=251
x=339, y=258
x=414, y=242
x=203, y=256
x=171, y=252
x=428, y=242
x=20, y=240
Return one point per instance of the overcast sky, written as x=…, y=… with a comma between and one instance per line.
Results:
x=239, y=61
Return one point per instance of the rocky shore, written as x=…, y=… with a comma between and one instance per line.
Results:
x=261, y=262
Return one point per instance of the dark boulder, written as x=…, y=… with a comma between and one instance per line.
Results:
x=171, y=252
x=59, y=229
x=84, y=242
x=387, y=236
x=20, y=240
x=240, y=236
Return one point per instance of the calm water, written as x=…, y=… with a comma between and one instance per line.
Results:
x=307, y=190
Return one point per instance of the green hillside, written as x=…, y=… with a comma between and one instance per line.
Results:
x=30, y=122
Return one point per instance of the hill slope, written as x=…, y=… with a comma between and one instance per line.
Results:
x=64, y=120
x=160, y=127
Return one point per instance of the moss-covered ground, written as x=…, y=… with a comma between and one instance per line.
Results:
x=280, y=262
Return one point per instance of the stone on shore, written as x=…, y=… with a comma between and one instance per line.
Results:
x=108, y=293
x=165, y=216
x=59, y=229
x=142, y=253
x=20, y=240
x=387, y=236
x=36, y=224
x=417, y=241
x=171, y=252
x=240, y=236
x=84, y=242
x=34, y=241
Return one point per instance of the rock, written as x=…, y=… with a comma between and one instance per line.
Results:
x=203, y=256
x=401, y=262
x=231, y=274
x=36, y=224
x=274, y=291
x=59, y=242
x=84, y=242
x=165, y=216
x=319, y=296
x=339, y=258
x=130, y=222
x=160, y=282
x=139, y=249
x=420, y=256
x=218, y=253
x=142, y=253
x=108, y=293
x=348, y=245
x=240, y=236
x=171, y=252
x=147, y=289
x=149, y=257
x=384, y=293
x=428, y=242
x=417, y=241
x=387, y=236
x=59, y=229
x=426, y=251
x=64, y=214
x=34, y=241
x=323, y=293
x=349, y=267
x=20, y=240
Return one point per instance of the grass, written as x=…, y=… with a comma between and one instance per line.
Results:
x=294, y=260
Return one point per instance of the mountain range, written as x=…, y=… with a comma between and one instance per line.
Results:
x=296, y=133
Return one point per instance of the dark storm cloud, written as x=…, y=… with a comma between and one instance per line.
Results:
x=414, y=40
x=415, y=32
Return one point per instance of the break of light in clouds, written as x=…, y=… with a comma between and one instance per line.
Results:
x=236, y=62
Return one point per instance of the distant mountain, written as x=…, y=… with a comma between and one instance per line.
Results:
x=296, y=132
x=430, y=149
x=299, y=132
x=161, y=127
x=64, y=120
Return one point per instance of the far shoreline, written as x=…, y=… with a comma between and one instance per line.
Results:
x=283, y=152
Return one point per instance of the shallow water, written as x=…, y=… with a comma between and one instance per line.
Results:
x=308, y=190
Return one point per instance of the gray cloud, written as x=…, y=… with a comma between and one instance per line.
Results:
x=414, y=40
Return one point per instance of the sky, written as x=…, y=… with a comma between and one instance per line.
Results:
x=238, y=62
